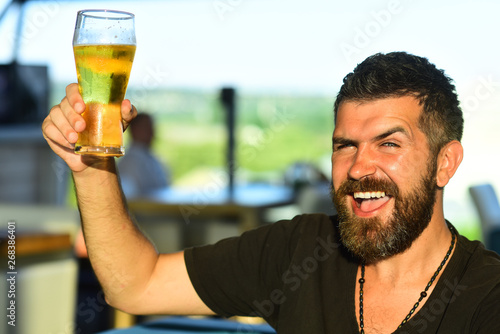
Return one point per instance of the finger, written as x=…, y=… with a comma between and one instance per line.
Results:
x=129, y=112
x=74, y=98
x=53, y=135
x=61, y=122
x=75, y=119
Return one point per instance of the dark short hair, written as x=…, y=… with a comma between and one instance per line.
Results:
x=398, y=74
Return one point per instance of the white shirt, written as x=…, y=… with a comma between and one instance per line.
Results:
x=141, y=172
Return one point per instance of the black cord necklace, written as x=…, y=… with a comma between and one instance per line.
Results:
x=423, y=294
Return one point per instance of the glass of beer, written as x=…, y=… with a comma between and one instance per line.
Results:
x=104, y=47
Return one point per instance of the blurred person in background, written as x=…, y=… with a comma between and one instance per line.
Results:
x=141, y=172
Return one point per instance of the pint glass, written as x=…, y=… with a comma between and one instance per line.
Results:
x=104, y=47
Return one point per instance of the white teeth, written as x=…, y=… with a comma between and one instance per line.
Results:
x=368, y=195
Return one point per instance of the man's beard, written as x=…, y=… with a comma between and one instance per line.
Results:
x=371, y=239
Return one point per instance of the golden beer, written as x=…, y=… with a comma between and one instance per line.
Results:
x=103, y=72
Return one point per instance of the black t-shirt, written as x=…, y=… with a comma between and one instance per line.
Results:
x=299, y=278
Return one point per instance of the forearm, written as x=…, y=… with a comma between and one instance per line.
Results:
x=121, y=256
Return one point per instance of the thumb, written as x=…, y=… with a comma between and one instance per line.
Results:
x=129, y=112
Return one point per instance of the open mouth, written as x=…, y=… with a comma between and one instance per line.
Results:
x=369, y=201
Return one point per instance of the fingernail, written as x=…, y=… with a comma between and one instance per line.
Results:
x=79, y=107
x=79, y=126
x=72, y=138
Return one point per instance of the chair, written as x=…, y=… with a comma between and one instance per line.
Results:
x=488, y=207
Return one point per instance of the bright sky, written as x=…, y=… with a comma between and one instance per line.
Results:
x=293, y=46
x=269, y=44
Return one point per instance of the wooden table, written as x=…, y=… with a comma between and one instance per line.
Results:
x=32, y=243
x=190, y=203
x=42, y=274
x=245, y=207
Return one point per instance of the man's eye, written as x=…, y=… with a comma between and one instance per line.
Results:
x=342, y=146
x=390, y=144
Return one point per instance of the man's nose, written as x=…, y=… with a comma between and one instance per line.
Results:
x=363, y=164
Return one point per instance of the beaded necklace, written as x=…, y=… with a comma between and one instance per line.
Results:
x=423, y=294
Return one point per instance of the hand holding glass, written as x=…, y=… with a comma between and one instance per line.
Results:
x=104, y=47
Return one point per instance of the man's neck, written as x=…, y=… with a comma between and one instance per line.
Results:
x=392, y=286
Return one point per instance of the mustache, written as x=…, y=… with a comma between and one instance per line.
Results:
x=351, y=186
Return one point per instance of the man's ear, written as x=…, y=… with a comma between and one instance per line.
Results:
x=449, y=159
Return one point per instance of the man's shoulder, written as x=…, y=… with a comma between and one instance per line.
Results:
x=481, y=269
x=480, y=257
x=310, y=224
x=304, y=233
x=303, y=230
x=479, y=286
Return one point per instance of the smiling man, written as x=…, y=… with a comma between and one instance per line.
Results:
x=388, y=263
x=396, y=145
x=384, y=176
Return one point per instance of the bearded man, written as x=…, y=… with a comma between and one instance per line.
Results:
x=388, y=263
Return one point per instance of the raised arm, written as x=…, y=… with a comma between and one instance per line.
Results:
x=134, y=277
